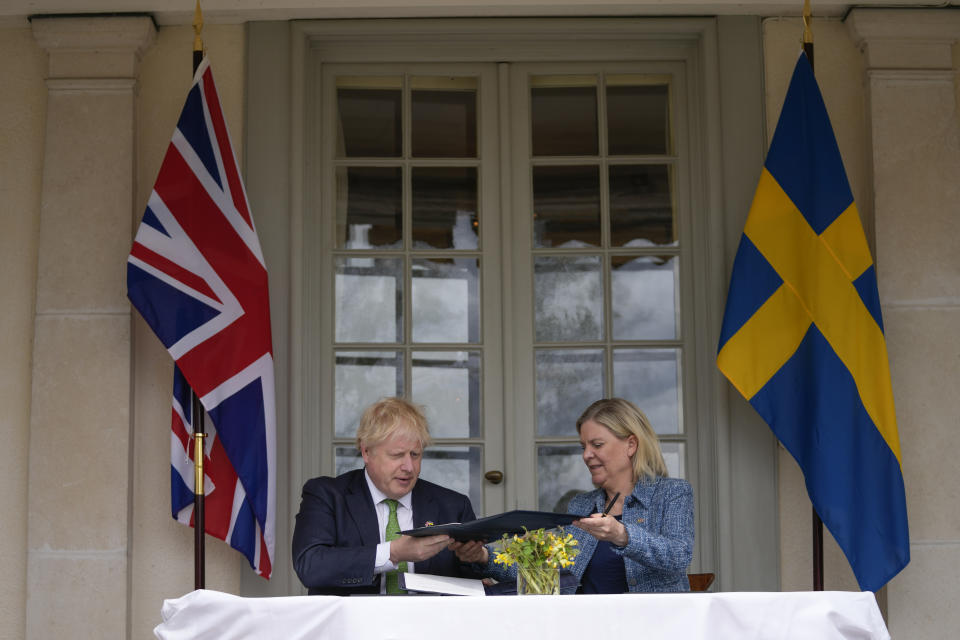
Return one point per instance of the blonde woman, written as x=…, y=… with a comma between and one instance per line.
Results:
x=644, y=542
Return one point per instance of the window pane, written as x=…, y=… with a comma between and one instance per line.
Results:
x=568, y=381
x=563, y=115
x=445, y=208
x=360, y=379
x=444, y=114
x=369, y=299
x=347, y=459
x=369, y=207
x=447, y=384
x=446, y=300
x=561, y=475
x=369, y=110
x=637, y=116
x=566, y=206
x=644, y=297
x=568, y=298
x=641, y=207
x=650, y=378
x=456, y=467
x=674, y=454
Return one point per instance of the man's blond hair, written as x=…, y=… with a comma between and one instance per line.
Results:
x=388, y=416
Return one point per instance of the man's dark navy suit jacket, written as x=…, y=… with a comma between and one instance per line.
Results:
x=336, y=534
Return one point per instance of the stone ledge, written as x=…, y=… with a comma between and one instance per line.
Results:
x=101, y=47
x=920, y=39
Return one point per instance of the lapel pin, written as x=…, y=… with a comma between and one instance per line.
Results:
x=639, y=520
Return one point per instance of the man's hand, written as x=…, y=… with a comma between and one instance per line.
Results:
x=414, y=549
x=472, y=551
x=604, y=527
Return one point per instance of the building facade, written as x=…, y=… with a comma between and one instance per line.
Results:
x=469, y=181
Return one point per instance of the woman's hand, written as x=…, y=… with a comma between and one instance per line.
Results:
x=472, y=551
x=604, y=527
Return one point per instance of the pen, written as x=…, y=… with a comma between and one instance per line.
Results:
x=610, y=504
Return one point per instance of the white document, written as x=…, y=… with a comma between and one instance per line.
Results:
x=426, y=583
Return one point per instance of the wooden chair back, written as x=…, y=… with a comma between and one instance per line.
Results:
x=700, y=581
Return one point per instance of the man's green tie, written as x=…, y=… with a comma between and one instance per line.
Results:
x=392, y=532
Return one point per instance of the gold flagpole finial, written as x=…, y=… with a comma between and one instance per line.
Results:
x=807, y=19
x=197, y=28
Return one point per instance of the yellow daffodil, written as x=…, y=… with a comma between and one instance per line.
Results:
x=535, y=550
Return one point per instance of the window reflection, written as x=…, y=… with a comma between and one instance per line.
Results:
x=360, y=379
x=446, y=300
x=566, y=206
x=568, y=381
x=369, y=299
x=568, y=298
x=637, y=115
x=369, y=207
x=562, y=476
x=445, y=208
x=644, y=297
x=447, y=385
x=641, y=206
x=650, y=378
x=563, y=115
x=444, y=117
x=369, y=116
x=674, y=454
x=458, y=468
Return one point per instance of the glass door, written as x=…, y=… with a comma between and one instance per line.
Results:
x=594, y=294
x=411, y=264
x=600, y=240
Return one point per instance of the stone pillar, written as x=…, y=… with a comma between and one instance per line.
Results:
x=79, y=466
x=911, y=85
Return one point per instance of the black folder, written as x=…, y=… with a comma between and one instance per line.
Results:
x=493, y=527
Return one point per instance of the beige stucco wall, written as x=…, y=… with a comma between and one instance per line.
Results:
x=79, y=462
x=162, y=549
x=160, y=552
x=22, y=109
x=915, y=152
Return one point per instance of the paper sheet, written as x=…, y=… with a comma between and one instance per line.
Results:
x=426, y=583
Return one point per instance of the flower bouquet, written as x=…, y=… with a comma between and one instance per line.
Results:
x=539, y=556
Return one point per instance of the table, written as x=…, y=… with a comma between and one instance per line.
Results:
x=823, y=615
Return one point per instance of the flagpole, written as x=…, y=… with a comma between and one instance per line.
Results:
x=199, y=516
x=199, y=519
x=817, y=522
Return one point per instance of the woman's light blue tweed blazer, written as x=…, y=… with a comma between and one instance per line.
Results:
x=658, y=516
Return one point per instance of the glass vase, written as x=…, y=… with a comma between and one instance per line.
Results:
x=539, y=579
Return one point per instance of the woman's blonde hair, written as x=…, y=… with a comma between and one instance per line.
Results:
x=624, y=419
x=388, y=416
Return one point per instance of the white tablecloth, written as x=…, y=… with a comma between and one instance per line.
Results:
x=825, y=615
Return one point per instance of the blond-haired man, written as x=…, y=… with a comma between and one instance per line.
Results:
x=345, y=541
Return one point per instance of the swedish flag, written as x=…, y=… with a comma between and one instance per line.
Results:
x=802, y=338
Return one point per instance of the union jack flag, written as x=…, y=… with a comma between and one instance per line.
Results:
x=197, y=276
